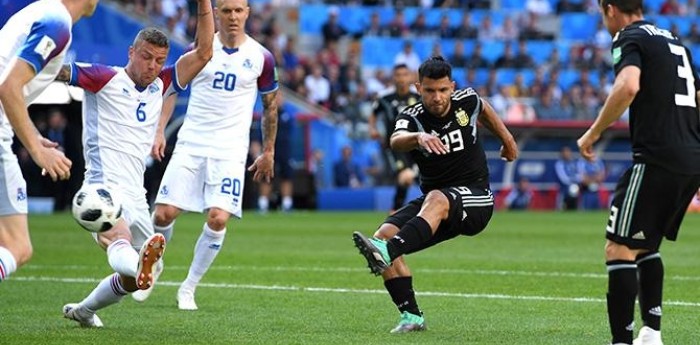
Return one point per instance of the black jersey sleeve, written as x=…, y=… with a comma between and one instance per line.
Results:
x=405, y=123
x=626, y=50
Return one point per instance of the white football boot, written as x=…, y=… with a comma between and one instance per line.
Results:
x=648, y=336
x=185, y=298
x=86, y=319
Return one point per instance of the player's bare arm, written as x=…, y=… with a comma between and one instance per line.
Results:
x=158, y=149
x=53, y=161
x=263, y=166
x=489, y=119
x=405, y=141
x=372, y=123
x=621, y=96
x=191, y=63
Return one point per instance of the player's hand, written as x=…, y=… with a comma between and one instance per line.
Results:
x=158, y=148
x=263, y=166
x=53, y=163
x=509, y=151
x=374, y=134
x=585, y=144
x=431, y=143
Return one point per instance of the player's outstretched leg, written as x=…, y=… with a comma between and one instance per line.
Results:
x=109, y=291
x=374, y=250
x=149, y=255
x=85, y=318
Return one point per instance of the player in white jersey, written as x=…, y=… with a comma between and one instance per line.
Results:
x=120, y=116
x=33, y=44
x=207, y=169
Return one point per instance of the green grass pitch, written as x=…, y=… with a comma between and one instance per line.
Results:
x=530, y=278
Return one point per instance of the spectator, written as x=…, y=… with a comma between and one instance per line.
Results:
x=500, y=100
x=397, y=27
x=693, y=35
x=408, y=57
x=523, y=59
x=332, y=30
x=507, y=60
x=670, y=7
x=519, y=197
x=458, y=59
x=347, y=173
x=420, y=27
x=568, y=177
x=545, y=109
x=592, y=178
x=290, y=58
x=465, y=30
x=565, y=6
x=318, y=88
x=375, y=26
x=477, y=60
x=508, y=31
x=538, y=7
x=530, y=30
x=444, y=29
x=487, y=32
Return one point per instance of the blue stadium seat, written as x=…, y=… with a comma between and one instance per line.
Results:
x=567, y=78
x=540, y=50
x=578, y=26
x=492, y=50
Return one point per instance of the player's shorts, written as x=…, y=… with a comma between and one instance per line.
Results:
x=13, y=187
x=649, y=204
x=470, y=211
x=196, y=184
x=398, y=161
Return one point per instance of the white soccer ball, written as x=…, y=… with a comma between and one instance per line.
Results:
x=96, y=207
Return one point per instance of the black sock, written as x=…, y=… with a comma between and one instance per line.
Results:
x=401, y=292
x=411, y=237
x=400, y=196
x=622, y=291
x=651, y=282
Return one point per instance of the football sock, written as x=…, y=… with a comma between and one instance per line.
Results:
x=166, y=230
x=622, y=291
x=287, y=203
x=412, y=236
x=651, y=282
x=400, y=196
x=401, y=292
x=8, y=264
x=109, y=291
x=263, y=204
x=123, y=258
x=205, y=252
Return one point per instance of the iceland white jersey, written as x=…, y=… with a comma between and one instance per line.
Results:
x=39, y=34
x=119, y=120
x=220, y=109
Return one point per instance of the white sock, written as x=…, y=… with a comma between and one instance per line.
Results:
x=205, y=251
x=263, y=204
x=166, y=231
x=123, y=258
x=109, y=291
x=8, y=264
x=287, y=203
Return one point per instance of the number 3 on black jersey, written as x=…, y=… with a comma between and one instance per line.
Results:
x=685, y=73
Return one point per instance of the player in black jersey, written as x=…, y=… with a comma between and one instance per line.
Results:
x=440, y=133
x=656, y=79
x=386, y=109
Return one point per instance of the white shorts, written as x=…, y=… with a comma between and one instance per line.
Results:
x=196, y=184
x=13, y=187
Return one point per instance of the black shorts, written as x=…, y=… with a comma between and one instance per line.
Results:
x=283, y=157
x=649, y=204
x=470, y=211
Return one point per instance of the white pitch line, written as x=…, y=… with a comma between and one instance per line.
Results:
x=364, y=269
x=356, y=291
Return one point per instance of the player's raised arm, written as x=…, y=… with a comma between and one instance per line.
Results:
x=489, y=119
x=193, y=61
x=54, y=162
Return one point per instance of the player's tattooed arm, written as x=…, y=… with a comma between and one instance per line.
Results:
x=64, y=73
x=269, y=121
x=490, y=119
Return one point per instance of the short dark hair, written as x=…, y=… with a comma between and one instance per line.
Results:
x=152, y=36
x=400, y=66
x=435, y=68
x=625, y=6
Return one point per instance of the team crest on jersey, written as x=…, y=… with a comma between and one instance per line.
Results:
x=247, y=64
x=21, y=195
x=153, y=88
x=462, y=117
x=164, y=190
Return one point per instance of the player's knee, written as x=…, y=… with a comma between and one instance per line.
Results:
x=437, y=203
x=406, y=177
x=616, y=251
x=164, y=215
x=217, y=219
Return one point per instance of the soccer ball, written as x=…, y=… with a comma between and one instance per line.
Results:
x=96, y=208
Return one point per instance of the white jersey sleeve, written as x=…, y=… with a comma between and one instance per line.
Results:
x=220, y=110
x=40, y=35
